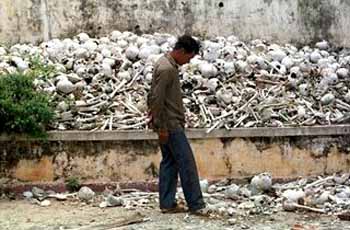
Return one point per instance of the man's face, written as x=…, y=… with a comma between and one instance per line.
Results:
x=185, y=57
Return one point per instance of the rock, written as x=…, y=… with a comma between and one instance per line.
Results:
x=232, y=221
x=74, y=78
x=289, y=206
x=208, y=70
x=38, y=192
x=132, y=52
x=45, y=203
x=327, y=99
x=2, y=51
x=323, y=198
x=231, y=211
x=315, y=57
x=86, y=194
x=277, y=55
x=262, y=182
x=342, y=178
x=83, y=37
x=343, y=72
x=103, y=204
x=113, y=201
x=59, y=197
x=20, y=63
x=245, y=192
x=28, y=194
x=295, y=196
x=212, y=188
x=63, y=106
x=287, y=62
x=323, y=45
x=65, y=86
x=232, y=191
x=204, y=186
x=260, y=200
x=246, y=205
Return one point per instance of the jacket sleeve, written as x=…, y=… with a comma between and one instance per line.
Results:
x=158, y=95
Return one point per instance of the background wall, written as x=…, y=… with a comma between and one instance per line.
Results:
x=296, y=21
x=138, y=160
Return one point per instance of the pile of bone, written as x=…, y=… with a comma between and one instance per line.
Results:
x=328, y=195
x=102, y=83
x=323, y=195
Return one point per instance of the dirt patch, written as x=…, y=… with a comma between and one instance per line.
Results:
x=22, y=215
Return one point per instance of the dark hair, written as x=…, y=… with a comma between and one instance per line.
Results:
x=188, y=43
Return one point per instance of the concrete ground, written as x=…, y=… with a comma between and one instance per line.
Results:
x=23, y=215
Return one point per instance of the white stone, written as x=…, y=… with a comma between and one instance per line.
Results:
x=28, y=194
x=208, y=70
x=90, y=45
x=83, y=37
x=204, y=186
x=132, y=52
x=65, y=86
x=106, y=52
x=327, y=99
x=343, y=72
x=262, y=182
x=315, y=56
x=113, y=201
x=115, y=35
x=86, y=194
x=2, y=51
x=62, y=106
x=287, y=62
x=20, y=63
x=107, y=70
x=294, y=195
x=146, y=51
x=232, y=191
x=45, y=203
x=277, y=55
x=323, y=45
x=124, y=75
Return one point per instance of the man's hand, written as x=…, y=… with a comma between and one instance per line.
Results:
x=163, y=136
x=150, y=120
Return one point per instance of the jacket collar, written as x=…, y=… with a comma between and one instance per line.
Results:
x=171, y=60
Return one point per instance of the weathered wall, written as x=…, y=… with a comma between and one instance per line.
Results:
x=284, y=157
x=297, y=21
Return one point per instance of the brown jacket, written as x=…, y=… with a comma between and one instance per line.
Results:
x=165, y=97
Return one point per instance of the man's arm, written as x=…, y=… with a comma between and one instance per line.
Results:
x=159, y=93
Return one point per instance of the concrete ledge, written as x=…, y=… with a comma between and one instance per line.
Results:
x=332, y=130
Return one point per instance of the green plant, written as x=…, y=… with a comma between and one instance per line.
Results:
x=73, y=184
x=23, y=110
x=39, y=69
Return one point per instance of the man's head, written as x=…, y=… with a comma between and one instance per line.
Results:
x=185, y=49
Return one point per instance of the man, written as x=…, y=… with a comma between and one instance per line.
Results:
x=168, y=120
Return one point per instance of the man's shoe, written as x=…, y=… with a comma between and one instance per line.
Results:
x=176, y=209
x=203, y=212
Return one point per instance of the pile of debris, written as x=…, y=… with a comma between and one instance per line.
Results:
x=102, y=83
x=324, y=195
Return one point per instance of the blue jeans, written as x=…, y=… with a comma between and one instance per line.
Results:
x=177, y=158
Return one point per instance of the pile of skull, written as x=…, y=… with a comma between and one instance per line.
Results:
x=102, y=83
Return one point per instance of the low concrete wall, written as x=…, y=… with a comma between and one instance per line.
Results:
x=285, y=152
x=296, y=21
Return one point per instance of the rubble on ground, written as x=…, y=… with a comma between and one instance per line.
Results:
x=323, y=195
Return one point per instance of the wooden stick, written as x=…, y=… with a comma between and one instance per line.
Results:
x=134, y=219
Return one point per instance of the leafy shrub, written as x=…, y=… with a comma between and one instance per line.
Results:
x=23, y=110
x=39, y=69
x=73, y=184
